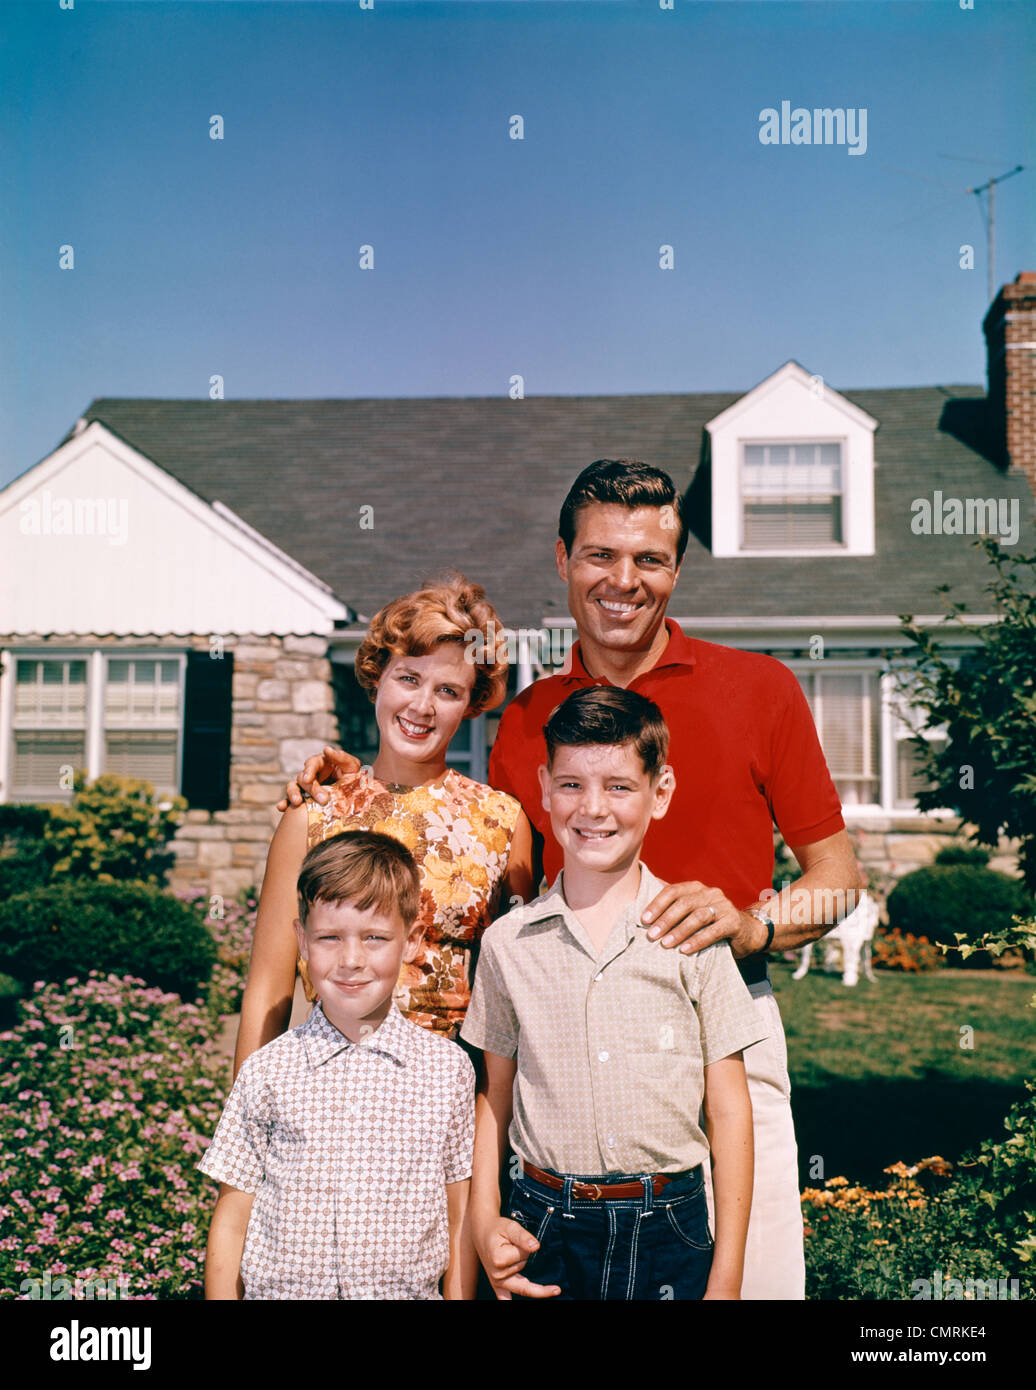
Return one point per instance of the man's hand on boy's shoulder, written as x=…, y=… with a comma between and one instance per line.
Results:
x=504, y=1247
x=328, y=766
x=692, y=916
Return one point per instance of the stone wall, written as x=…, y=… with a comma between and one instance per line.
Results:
x=283, y=710
x=888, y=848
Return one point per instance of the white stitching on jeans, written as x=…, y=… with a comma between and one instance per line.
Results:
x=605, y=1272
x=633, y=1254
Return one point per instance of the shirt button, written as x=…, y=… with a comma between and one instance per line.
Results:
x=602, y=1056
x=599, y=975
x=611, y=1141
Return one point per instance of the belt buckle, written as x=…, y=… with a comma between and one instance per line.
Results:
x=591, y=1191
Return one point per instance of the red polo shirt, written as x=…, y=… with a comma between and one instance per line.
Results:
x=743, y=747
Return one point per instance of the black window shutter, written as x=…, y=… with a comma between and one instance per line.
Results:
x=207, y=722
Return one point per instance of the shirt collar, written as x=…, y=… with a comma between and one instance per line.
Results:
x=552, y=904
x=679, y=651
x=323, y=1041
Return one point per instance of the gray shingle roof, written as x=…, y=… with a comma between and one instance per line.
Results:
x=477, y=483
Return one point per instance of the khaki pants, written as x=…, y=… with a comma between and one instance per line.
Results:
x=775, y=1266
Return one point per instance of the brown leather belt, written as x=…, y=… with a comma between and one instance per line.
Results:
x=595, y=1192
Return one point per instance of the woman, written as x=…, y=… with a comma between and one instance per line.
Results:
x=472, y=845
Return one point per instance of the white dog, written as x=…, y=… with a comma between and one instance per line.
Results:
x=853, y=935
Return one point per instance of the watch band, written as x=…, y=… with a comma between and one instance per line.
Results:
x=768, y=923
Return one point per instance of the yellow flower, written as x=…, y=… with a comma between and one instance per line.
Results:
x=446, y=885
x=473, y=874
x=403, y=830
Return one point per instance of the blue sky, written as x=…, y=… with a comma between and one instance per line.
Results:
x=494, y=256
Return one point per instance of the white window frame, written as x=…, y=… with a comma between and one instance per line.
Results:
x=899, y=731
x=96, y=659
x=769, y=442
x=833, y=667
x=889, y=736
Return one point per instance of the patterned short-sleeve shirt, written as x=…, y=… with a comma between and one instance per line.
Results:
x=348, y=1148
x=611, y=1045
x=459, y=832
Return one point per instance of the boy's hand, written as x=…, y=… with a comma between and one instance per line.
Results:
x=504, y=1248
x=692, y=916
x=327, y=766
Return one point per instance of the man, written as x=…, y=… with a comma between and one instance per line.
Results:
x=745, y=754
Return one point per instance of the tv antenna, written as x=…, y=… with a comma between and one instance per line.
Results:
x=988, y=187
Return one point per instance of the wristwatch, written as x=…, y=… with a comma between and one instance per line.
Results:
x=768, y=923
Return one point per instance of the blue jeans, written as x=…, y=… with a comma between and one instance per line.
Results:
x=656, y=1248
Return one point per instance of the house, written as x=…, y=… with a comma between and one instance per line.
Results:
x=187, y=581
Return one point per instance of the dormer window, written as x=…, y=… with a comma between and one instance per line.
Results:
x=791, y=496
x=791, y=471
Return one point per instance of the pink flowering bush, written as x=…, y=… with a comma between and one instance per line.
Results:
x=110, y=1092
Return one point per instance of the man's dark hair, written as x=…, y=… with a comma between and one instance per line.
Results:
x=628, y=483
x=608, y=715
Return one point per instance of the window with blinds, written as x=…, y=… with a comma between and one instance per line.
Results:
x=49, y=726
x=846, y=709
x=911, y=778
x=142, y=720
x=791, y=496
x=133, y=727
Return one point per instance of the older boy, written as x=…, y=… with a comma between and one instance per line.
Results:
x=344, y=1151
x=600, y=1049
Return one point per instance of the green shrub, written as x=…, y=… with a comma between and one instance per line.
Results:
x=963, y=854
x=1001, y=1182
x=113, y=830
x=945, y=900
x=69, y=929
x=26, y=855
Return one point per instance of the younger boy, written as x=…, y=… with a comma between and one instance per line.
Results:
x=344, y=1151
x=600, y=1049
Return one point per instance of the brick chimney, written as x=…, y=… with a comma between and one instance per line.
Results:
x=1010, y=329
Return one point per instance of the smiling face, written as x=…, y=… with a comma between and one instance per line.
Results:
x=419, y=705
x=620, y=574
x=601, y=802
x=354, y=958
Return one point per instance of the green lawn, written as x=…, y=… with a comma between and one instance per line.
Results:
x=878, y=1072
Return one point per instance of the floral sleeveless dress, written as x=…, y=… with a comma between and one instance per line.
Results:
x=459, y=833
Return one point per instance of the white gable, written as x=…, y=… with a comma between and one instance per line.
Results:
x=98, y=539
x=792, y=407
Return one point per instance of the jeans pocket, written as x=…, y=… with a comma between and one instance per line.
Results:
x=533, y=1218
x=689, y=1218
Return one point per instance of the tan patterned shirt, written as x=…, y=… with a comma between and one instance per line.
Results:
x=459, y=832
x=611, y=1046
x=348, y=1148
